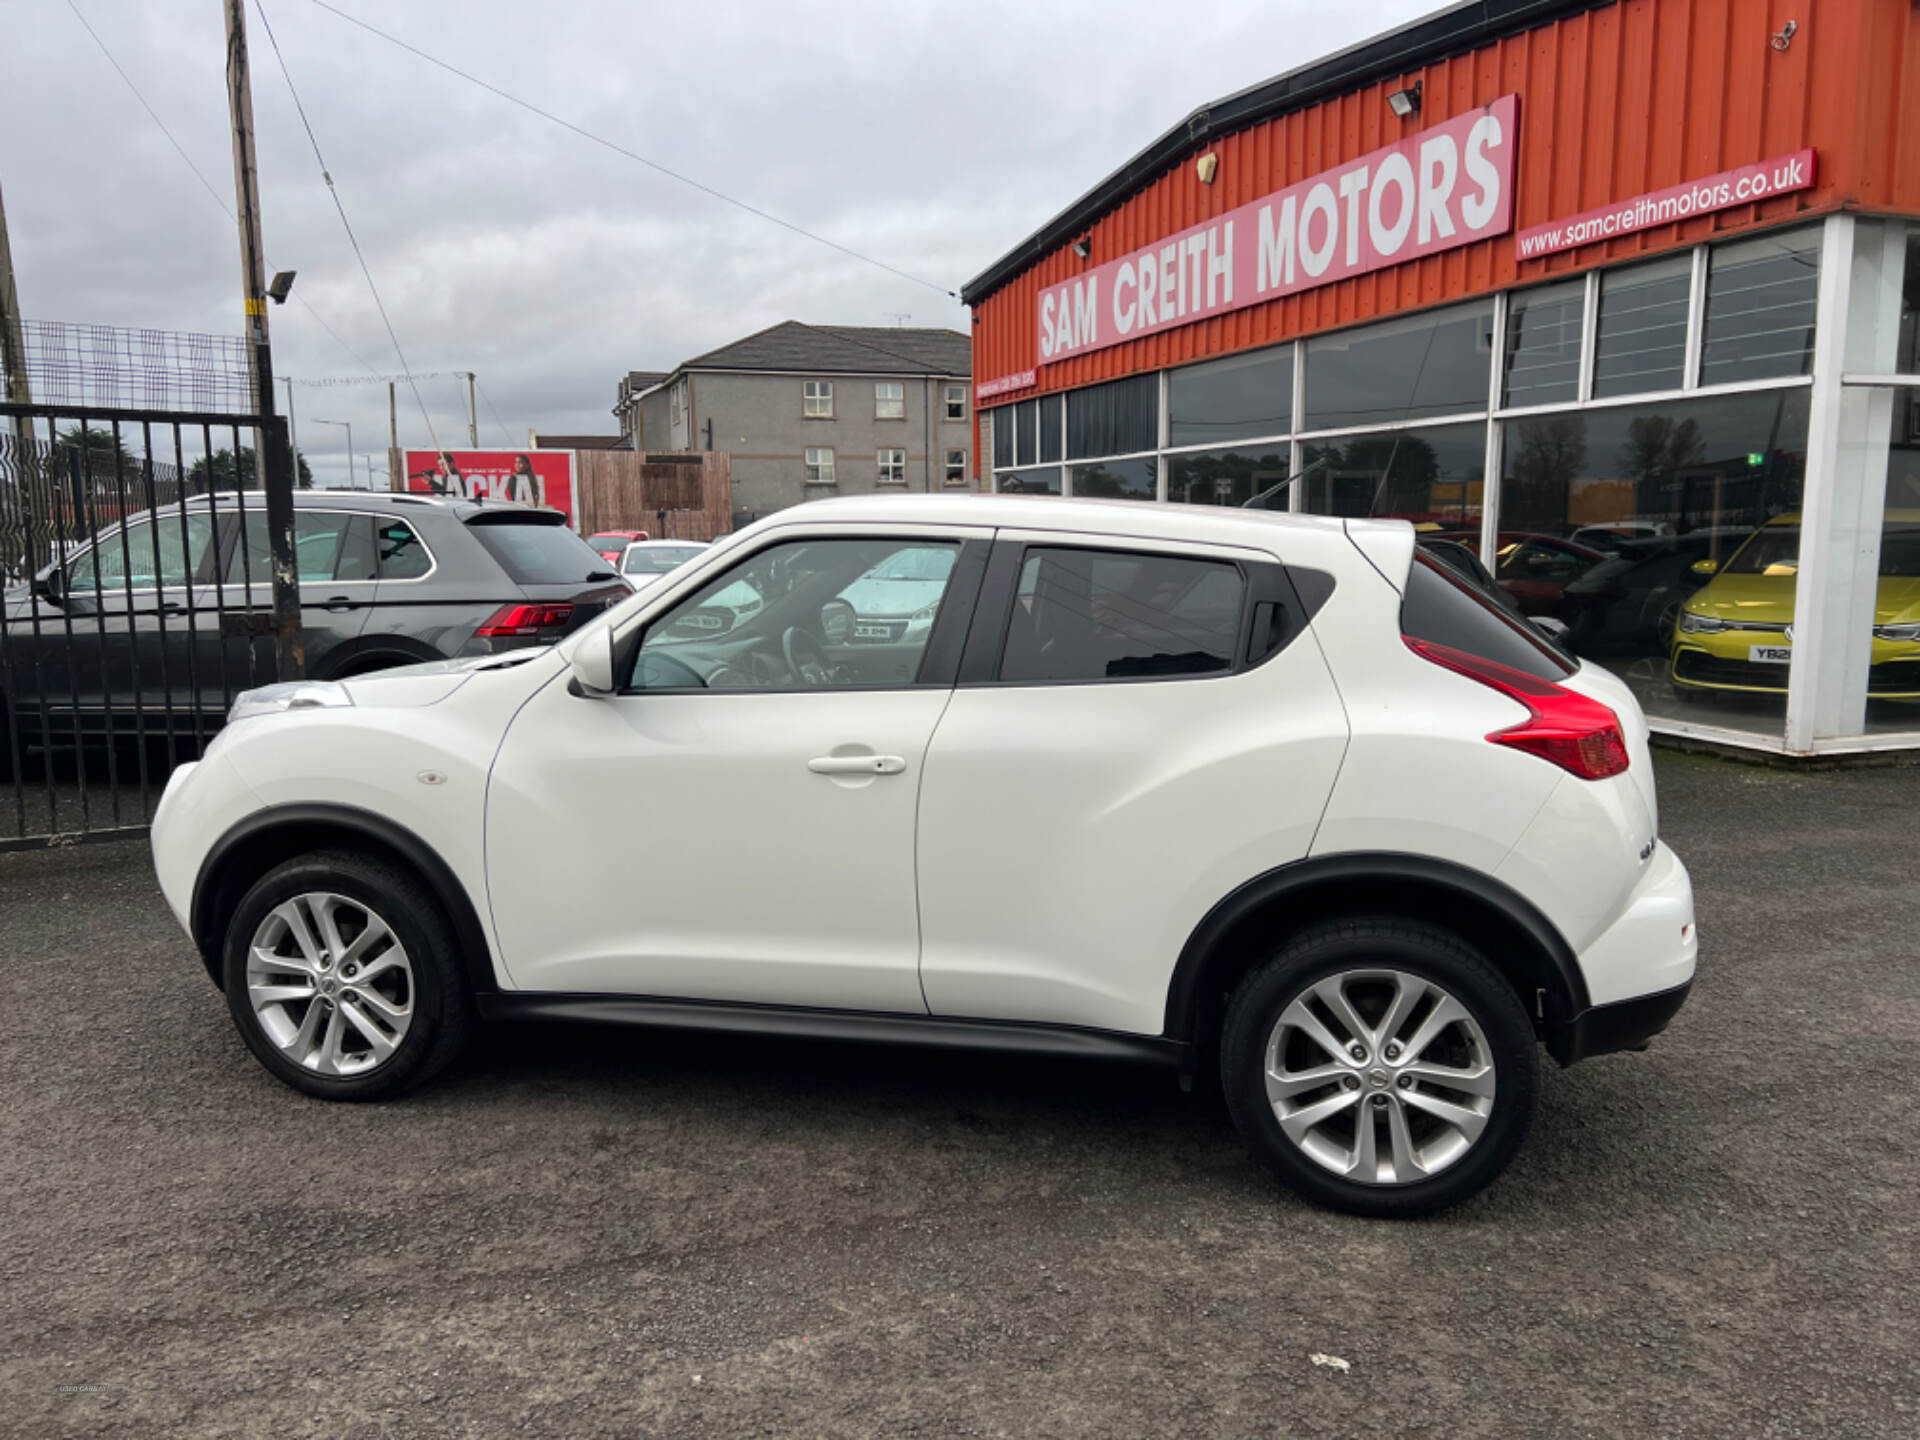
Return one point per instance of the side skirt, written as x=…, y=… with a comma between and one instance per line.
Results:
x=869, y=1027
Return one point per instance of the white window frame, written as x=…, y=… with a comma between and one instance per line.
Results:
x=816, y=399
x=818, y=460
x=891, y=457
x=948, y=476
x=881, y=399
x=956, y=395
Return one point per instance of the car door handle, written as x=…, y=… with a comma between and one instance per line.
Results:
x=342, y=602
x=856, y=764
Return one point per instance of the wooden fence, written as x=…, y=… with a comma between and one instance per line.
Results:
x=621, y=490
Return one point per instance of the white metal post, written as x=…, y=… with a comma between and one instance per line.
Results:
x=1589, y=334
x=1490, y=473
x=1296, y=452
x=1814, y=582
x=1696, y=320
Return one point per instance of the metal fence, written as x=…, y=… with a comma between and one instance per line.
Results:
x=131, y=614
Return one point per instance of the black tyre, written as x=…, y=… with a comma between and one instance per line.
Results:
x=1380, y=1066
x=344, y=977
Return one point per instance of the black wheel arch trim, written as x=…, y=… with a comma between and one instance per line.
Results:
x=211, y=894
x=1186, y=991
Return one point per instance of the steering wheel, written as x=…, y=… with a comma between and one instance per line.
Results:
x=806, y=661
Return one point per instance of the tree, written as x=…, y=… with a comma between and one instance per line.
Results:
x=222, y=471
x=96, y=449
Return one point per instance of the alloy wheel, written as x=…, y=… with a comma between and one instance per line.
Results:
x=330, y=984
x=1363, y=1052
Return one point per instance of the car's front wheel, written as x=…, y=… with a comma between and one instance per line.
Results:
x=343, y=977
x=1380, y=1066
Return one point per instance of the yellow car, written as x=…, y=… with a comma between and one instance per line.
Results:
x=1736, y=632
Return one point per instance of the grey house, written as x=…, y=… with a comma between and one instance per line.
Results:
x=815, y=410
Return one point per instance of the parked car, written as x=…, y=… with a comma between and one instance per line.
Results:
x=1631, y=600
x=1736, y=632
x=1536, y=570
x=610, y=545
x=166, y=615
x=1210, y=788
x=645, y=561
x=1614, y=535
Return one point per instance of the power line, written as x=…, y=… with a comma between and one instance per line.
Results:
x=633, y=155
x=206, y=184
x=346, y=224
x=494, y=413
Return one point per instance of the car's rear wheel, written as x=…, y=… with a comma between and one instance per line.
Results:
x=1380, y=1066
x=343, y=977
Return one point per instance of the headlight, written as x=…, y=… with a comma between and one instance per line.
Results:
x=1700, y=624
x=294, y=695
x=1908, y=631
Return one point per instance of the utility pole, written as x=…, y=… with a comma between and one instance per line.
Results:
x=274, y=457
x=394, y=464
x=293, y=431
x=13, y=347
x=473, y=416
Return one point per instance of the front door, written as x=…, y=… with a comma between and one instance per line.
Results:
x=737, y=824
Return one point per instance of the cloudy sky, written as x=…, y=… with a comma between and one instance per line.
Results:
x=932, y=137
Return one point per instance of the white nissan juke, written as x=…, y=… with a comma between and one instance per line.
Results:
x=1197, y=787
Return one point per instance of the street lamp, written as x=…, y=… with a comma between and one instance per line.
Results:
x=347, y=425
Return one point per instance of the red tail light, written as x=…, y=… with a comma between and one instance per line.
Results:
x=524, y=620
x=1575, y=732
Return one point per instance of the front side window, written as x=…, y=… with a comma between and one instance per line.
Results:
x=816, y=399
x=819, y=464
x=1120, y=615
x=956, y=402
x=956, y=467
x=806, y=614
x=113, y=565
x=890, y=400
x=893, y=466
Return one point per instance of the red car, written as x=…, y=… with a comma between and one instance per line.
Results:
x=610, y=545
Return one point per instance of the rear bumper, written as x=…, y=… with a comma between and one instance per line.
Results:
x=1624, y=1025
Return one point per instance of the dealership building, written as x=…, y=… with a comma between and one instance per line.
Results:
x=1619, y=296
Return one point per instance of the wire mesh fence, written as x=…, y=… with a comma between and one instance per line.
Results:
x=116, y=367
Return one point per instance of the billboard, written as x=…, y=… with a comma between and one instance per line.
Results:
x=532, y=477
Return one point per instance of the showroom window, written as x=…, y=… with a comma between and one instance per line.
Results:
x=1241, y=397
x=1760, y=303
x=1120, y=615
x=1001, y=423
x=1543, y=344
x=1405, y=369
x=1043, y=480
x=1642, y=340
x=1027, y=426
x=1225, y=477
x=1121, y=417
x=1052, y=435
x=1432, y=475
x=1137, y=479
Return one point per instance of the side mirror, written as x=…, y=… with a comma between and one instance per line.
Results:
x=52, y=586
x=1555, y=630
x=836, y=622
x=1706, y=567
x=593, y=664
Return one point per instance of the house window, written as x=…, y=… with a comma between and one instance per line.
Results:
x=956, y=402
x=890, y=400
x=956, y=473
x=893, y=467
x=819, y=466
x=817, y=400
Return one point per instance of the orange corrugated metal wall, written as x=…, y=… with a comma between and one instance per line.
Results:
x=1614, y=102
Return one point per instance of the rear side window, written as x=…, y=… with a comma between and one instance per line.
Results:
x=1112, y=615
x=402, y=556
x=1442, y=610
x=539, y=554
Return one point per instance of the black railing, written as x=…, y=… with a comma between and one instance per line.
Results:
x=131, y=615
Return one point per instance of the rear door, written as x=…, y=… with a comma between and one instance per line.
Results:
x=1138, y=729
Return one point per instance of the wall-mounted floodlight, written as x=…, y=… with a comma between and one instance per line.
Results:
x=1405, y=101
x=281, y=287
x=1083, y=247
x=1206, y=167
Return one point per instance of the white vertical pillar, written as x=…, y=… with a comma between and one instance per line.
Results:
x=1165, y=431
x=1696, y=320
x=1296, y=452
x=1821, y=608
x=1490, y=472
x=1589, y=334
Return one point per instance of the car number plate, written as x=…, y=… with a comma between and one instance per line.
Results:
x=1770, y=654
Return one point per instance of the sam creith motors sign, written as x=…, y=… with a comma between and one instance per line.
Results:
x=1443, y=187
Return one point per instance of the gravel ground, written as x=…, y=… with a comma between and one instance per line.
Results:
x=588, y=1232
